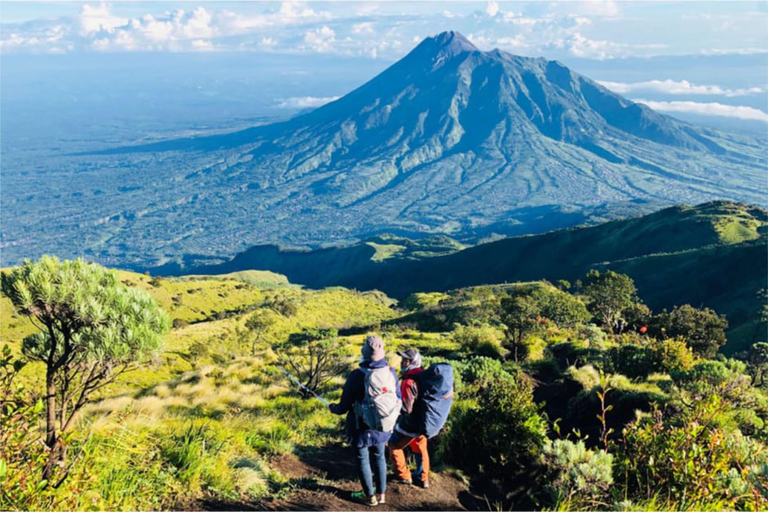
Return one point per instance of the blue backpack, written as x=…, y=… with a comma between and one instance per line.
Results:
x=435, y=398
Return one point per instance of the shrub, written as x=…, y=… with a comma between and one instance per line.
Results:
x=482, y=340
x=314, y=356
x=499, y=430
x=178, y=323
x=578, y=477
x=689, y=462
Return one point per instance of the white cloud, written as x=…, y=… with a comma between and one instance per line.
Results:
x=735, y=51
x=580, y=46
x=201, y=44
x=603, y=8
x=99, y=18
x=708, y=109
x=320, y=40
x=679, y=87
x=97, y=28
x=305, y=102
x=363, y=28
x=492, y=9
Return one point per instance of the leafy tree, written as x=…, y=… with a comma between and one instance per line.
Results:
x=560, y=307
x=313, y=356
x=520, y=314
x=527, y=310
x=611, y=295
x=92, y=330
x=757, y=364
x=703, y=329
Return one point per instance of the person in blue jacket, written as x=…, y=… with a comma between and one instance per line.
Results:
x=369, y=444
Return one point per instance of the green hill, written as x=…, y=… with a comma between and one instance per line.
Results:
x=711, y=254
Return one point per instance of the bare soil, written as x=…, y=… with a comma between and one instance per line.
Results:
x=324, y=479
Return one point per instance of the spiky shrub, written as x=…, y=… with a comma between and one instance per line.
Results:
x=92, y=330
x=578, y=477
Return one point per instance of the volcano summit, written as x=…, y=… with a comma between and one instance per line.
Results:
x=448, y=139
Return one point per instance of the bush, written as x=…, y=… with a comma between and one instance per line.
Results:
x=646, y=356
x=578, y=477
x=482, y=340
x=178, y=323
x=499, y=431
x=421, y=301
x=690, y=463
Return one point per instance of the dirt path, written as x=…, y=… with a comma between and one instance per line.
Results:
x=326, y=477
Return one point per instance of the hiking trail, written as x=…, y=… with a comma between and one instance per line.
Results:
x=325, y=477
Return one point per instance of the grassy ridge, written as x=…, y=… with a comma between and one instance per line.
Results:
x=678, y=255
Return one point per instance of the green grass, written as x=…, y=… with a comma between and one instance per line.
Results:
x=385, y=251
x=258, y=278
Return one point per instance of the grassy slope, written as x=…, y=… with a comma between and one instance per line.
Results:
x=216, y=310
x=213, y=424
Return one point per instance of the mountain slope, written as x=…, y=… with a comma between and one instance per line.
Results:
x=449, y=139
x=713, y=254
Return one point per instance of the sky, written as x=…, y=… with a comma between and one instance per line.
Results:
x=699, y=58
x=597, y=29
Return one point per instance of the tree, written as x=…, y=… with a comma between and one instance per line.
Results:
x=611, y=294
x=259, y=324
x=520, y=314
x=703, y=329
x=313, y=356
x=92, y=329
x=560, y=307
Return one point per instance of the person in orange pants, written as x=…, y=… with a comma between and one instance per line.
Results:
x=405, y=435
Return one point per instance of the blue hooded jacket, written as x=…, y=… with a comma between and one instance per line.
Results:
x=358, y=433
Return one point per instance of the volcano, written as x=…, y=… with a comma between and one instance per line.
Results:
x=449, y=139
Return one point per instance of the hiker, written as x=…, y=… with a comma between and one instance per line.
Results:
x=371, y=399
x=406, y=431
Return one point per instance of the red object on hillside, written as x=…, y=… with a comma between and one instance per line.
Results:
x=643, y=329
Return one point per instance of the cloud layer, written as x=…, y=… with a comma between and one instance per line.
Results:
x=682, y=87
x=708, y=109
x=305, y=102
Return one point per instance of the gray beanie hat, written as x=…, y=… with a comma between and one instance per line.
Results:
x=373, y=349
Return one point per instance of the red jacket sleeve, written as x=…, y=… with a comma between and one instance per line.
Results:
x=410, y=391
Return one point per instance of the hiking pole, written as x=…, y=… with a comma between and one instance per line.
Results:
x=302, y=386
